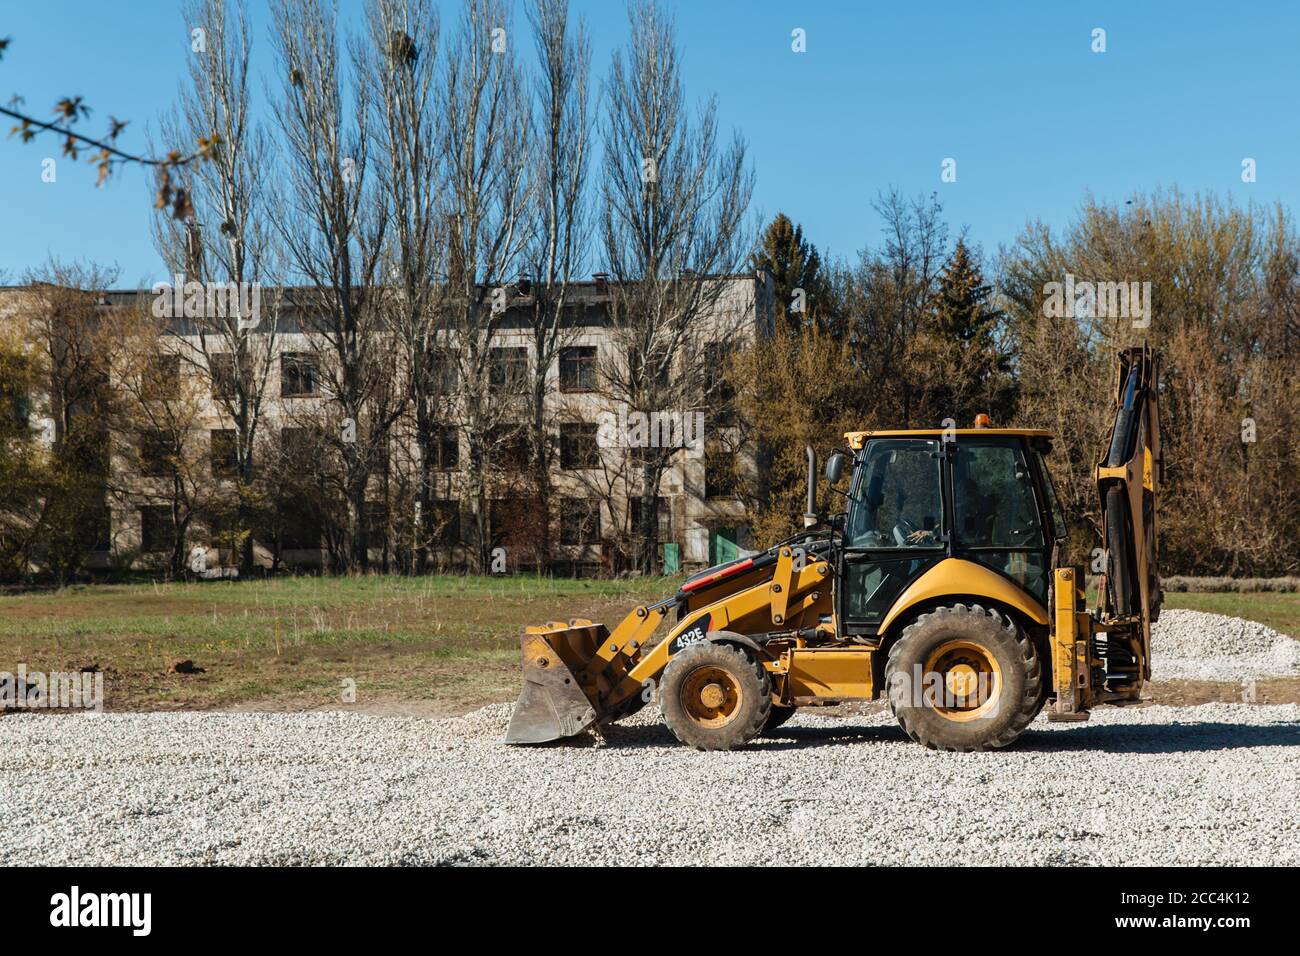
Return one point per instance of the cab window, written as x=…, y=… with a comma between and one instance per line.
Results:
x=899, y=502
x=993, y=499
x=1058, y=515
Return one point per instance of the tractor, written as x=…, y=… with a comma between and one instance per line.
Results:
x=939, y=587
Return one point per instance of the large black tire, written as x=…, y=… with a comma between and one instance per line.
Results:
x=944, y=641
x=727, y=674
x=779, y=715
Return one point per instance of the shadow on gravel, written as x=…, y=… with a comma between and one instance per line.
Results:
x=1160, y=738
x=1124, y=738
x=783, y=738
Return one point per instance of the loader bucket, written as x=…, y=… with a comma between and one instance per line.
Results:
x=552, y=704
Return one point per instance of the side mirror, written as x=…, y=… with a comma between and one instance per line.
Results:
x=835, y=467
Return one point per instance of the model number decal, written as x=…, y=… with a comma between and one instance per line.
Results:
x=697, y=633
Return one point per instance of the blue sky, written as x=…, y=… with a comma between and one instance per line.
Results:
x=884, y=93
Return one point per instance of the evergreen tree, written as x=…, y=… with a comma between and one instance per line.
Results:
x=960, y=353
x=962, y=310
x=795, y=265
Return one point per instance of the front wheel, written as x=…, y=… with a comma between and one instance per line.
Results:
x=963, y=678
x=715, y=696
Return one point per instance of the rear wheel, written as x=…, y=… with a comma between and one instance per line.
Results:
x=963, y=678
x=715, y=696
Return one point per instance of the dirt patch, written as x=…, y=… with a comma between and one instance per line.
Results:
x=392, y=707
x=1178, y=693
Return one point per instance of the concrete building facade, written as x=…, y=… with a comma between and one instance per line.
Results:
x=700, y=519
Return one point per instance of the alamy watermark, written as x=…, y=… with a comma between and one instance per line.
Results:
x=130, y=910
x=961, y=689
x=667, y=429
x=34, y=690
x=209, y=300
x=1098, y=300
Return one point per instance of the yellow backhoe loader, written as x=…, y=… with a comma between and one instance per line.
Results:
x=938, y=588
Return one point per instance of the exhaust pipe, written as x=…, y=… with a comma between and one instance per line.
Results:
x=810, y=517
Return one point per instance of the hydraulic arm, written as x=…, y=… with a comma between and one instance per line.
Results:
x=1104, y=657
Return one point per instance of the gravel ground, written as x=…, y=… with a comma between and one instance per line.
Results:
x=1195, y=645
x=1148, y=785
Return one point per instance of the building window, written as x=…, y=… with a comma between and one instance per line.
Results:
x=161, y=379
x=652, y=371
x=721, y=478
x=510, y=520
x=221, y=369
x=298, y=449
x=578, y=368
x=508, y=369
x=507, y=446
x=156, y=529
x=444, y=376
x=664, y=516
x=225, y=452
x=14, y=401
x=299, y=375
x=578, y=446
x=300, y=529
x=445, y=523
x=579, y=521
x=720, y=396
x=446, y=448
x=376, y=525
x=158, y=455
x=99, y=529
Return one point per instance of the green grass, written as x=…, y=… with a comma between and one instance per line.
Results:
x=1279, y=611
x=448, y=639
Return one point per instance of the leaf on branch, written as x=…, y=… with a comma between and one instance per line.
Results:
x=115, y=127
x=104, y=162
x=208, y=146
x=163, y=198
x=70, y=147
x=24, y=131
x=71, y=109
x=4, y=45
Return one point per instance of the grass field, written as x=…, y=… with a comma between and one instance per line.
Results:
x=438, y=644
x=448, y=642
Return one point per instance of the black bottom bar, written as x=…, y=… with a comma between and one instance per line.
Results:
x=330, y=906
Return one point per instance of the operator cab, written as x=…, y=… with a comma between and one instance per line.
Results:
x=920, y=497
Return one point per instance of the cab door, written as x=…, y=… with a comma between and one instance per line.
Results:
x=896, y=528
x=998, y=515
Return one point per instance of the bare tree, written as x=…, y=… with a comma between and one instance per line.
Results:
x=333, y=225
x=673, y=214
x=164, y=461
x=887, y=296
x=399, y=65
x=560, y=220
x=484, y=156
x=229, y=242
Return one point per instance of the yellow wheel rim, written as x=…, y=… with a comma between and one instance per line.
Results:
x=962, y=680
x=710, y=696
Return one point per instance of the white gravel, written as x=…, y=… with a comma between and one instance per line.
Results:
x=1147, y=785
x=1195, y=645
